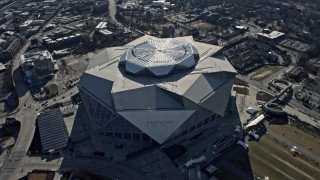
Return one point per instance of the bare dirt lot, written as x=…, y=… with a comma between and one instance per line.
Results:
x=264, y=71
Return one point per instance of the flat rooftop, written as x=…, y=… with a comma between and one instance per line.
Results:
x=272, y=35
x=53, y=130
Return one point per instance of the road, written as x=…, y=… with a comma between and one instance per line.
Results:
x=293, y=103
x=26, y=113
x=113, y=11
x=8, y=6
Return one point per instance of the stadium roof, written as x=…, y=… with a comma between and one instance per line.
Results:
x=53, y=131
x=158, y=106
x=159, y=57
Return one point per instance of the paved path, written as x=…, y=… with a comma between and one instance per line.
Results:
x=113, y=11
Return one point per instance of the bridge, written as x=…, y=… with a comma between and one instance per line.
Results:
x=272, y=107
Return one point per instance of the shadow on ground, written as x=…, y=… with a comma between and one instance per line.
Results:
x=19, y=82
x=232, y=160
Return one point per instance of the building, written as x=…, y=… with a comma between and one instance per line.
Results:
x=37, y=67
x=102, y=29
x=157, y=90
x=61, y=42
x=298, y=74
x=26, y=25
x=101, y=25
x=8, y=48
x=271, y=36
x=2, y=68
x=105, y=32
x=53, y=131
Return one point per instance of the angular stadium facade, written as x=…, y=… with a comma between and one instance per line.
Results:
x=162, y=90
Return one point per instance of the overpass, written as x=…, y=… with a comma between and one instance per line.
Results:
x=269, y=106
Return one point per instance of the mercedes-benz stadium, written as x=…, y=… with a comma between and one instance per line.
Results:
x=157, y=90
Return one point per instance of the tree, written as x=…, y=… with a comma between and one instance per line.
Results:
x=195, y=32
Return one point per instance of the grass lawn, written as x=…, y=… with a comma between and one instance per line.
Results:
x=263, y=72
x=204, y=28
x=298, y=136
x=263, y=96
x=275, y=108
x=52, y=89
x=240, y=82
x=268, y=158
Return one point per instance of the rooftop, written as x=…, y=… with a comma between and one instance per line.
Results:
x=41, y=55
x=105, y=66
x=159, y=105
x=2, y=67
x=159, y=57
x=102, y=25
x=53, y=131
x=272, y=35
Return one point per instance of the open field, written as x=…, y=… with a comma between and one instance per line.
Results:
x=267, y=158
x=241, y=90
x=52, y=89
x=263, y=96
x=298, y=136
x=203, y=27
x=264, y=71
x=240, y=82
